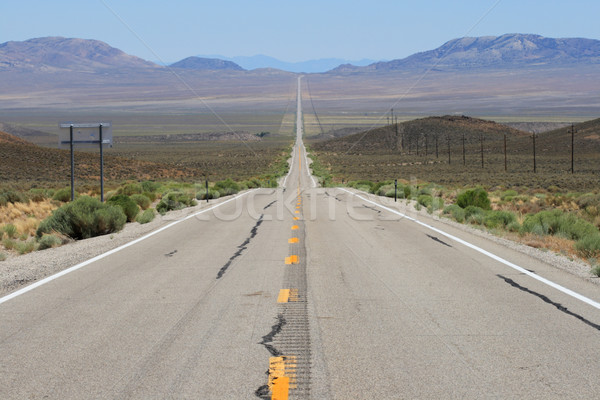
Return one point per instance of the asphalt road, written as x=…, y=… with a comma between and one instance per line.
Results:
x=303, y=292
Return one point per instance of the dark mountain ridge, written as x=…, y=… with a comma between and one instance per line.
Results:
x=210, y=64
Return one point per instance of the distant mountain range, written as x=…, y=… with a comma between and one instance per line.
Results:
x=506, y=51
x=309, y=66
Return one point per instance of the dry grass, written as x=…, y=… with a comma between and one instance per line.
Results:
x=26, y=217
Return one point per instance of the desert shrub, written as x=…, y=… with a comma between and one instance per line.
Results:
x=9, y=244
x=498, y=219
x=437, y=203
x=130, y=188
x=407, y=192
x=475, y=219
x=12, y=196
x=508, y=195
x=473, y=210
x=175, y=201
x=2, y=256
x=37, y=195
x=383, y=190
x=141, y=200
x=84, y=218
x=557, y=222
x=150, y=186
x=48, y=241
x=212, y=194
x=514, y=226
x=10, y=230
x=425, y=200
x=146, y=216
x=227, y=187
x=25, y=247
x=129, y=207
x=64, y=195
x=474, y=197
x=589, y=246
x=457, y=213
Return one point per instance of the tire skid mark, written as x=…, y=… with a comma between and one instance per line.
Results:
x=241, y=247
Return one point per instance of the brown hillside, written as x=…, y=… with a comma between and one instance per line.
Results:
x=23, y=163
x=423, y=131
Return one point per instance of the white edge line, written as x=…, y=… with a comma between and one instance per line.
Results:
x=108, y=253
x=486, y=253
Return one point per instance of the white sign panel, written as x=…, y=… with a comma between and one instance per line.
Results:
x=85, y=134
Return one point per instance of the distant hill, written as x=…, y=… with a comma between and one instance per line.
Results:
x=58, y=53
x=388, y=139
x=211, y=64
x=506, y=51
x=23, y=162
x=308, y=66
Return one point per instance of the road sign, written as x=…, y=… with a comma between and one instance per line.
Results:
x=85, y=134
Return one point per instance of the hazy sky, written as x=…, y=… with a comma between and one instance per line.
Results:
x=291, y=31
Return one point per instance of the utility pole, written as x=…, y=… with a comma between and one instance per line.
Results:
x=573, y=131
x=481, y=140
x=505, y=160
x=449, y=157
x=534, y=161
x=463, y=143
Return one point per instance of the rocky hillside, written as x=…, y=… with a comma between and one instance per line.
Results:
x=58, y=53
x=506, y=51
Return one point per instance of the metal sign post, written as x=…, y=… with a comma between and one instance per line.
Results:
x=85, y=136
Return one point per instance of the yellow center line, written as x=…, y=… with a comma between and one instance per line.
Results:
x=291, y=260
x=293, y=240
x=284, y=296
x=294, y=227
x=279, y=383
x=296, y=218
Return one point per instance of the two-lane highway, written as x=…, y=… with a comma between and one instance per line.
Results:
x=303, y=292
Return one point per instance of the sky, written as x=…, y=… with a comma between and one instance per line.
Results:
x=169, y=31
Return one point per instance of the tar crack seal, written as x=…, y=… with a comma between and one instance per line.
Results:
x=267, y=341
x=559, y=306
x=241, y=247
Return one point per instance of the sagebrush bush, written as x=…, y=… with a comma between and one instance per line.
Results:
x=64, y=195
x=12, y=196
x=557, y=222
x=212, y=194
x=48, y=241
x=425, y=200
x=37, y=195
x=474, y=197
x=84, y=218
x=589, y=246
x=141, y=200
x=2, y=256
x=130, y=188
x=473, y=210
x=10, y=230
x=146, y=216
x=150, y=186
x=457, y=213
x=175, y=201
x=498, y=219
x=226, y=187
x=129, y=207
x=25, y=247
